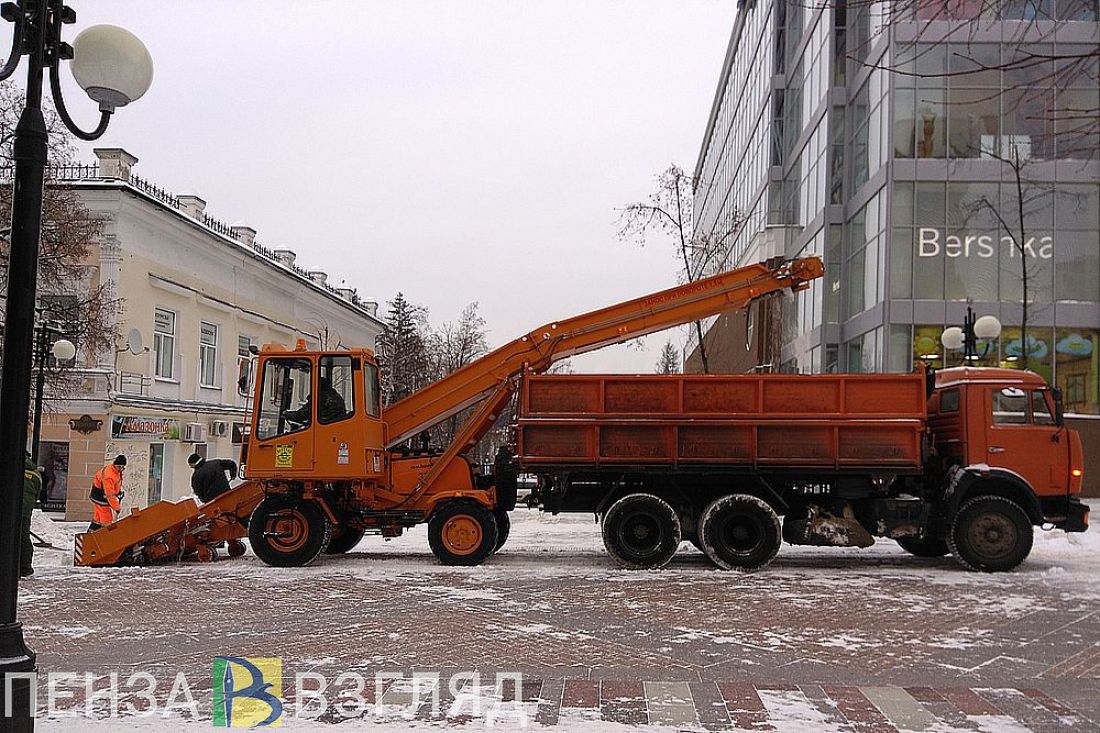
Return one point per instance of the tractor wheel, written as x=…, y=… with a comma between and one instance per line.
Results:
x=343, y=540
x=287, y=532
x=462, y=532
x=641, y=531
x=504, y=528
x=235, y=548
x=927, y=547
x=740, y=532
x=990, y=534
x=206, y=553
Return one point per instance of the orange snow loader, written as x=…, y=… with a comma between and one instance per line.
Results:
x=326, y=462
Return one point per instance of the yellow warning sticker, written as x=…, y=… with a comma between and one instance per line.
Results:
x=284, y=456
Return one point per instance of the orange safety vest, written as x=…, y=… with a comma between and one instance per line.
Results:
x=105, y=490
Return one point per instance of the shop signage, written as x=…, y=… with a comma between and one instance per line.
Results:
x=932, y=242
x=85, y=424
x=134, y=427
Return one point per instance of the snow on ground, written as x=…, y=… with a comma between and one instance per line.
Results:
x=570, y=544
x=570, y=547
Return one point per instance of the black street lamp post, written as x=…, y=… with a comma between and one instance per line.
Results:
x=114, y=68
x=974, y=328
x=62, y=350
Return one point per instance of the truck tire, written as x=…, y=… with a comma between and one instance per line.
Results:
x=740, y=532
x=343, y=540
x=462, y=532
x=288, y=532
x=927, y=547
x=991, y=534
x=504, y=528
x=641, y=531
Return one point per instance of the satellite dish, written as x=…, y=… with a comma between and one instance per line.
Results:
x=134, y=342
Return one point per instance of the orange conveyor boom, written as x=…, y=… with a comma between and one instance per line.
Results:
x=558, y=340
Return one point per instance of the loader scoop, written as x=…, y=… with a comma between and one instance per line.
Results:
x=170, y=530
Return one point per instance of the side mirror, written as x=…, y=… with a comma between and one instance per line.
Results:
x=1059, y=407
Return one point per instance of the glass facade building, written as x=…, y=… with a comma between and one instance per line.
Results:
x=929, y=162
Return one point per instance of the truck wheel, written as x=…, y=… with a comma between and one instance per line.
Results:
x=462, y=533
x=740, y=532
x=641, y=531
x=504, y=528
x=990, y=534
x=288, y=532
x=235, y=548
x=927, y=547
x=343, y=540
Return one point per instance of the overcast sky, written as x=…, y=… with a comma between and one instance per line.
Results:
x=454, y=151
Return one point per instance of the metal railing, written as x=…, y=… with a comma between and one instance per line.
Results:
x=90, y=171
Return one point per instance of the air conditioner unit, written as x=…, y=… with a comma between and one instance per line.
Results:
x=219, y=428
x=195, y=432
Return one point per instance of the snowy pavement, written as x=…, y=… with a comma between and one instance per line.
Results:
x=863, y=641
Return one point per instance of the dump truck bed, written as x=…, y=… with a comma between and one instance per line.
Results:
x=831, y=421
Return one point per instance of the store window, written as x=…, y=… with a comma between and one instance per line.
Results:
x=927, y=347
x=1077, y=356
x=1034, y=352
x=164, y=343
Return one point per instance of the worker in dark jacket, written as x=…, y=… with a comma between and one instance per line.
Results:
x=208, y=480
x=32, y=486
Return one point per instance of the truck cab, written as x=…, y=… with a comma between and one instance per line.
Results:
x=1001, y=432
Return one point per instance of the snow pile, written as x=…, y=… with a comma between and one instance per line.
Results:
x=58, y=534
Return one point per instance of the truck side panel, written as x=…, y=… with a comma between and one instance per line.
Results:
x=835, y=421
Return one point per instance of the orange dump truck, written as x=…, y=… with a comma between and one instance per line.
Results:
x=965, y=461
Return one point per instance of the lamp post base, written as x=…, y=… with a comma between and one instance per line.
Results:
x=16, y=662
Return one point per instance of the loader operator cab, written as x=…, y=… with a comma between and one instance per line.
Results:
x=315, y=414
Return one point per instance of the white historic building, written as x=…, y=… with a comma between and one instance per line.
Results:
x=194, y=294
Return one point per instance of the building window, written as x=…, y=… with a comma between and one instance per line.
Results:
x=164, y=344
x=208, y=354
x=244, y=365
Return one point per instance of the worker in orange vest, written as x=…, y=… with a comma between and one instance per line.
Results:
x=107, y=493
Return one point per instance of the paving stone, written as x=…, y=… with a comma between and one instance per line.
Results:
x=623, y=702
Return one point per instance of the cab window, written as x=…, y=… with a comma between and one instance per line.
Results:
x=1009, y=406
x=335, y=389
x=284, y=405
x=949, y=400
x=1040, y=410
x=373, y=391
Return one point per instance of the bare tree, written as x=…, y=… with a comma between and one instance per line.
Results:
x=669, y=361
x=669, y=212
x=1027, y=195
x=71, y=299
x=455, y=345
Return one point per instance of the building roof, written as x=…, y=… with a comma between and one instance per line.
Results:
x=89, y=177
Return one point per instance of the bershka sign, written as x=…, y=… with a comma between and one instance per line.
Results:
x=932, y=242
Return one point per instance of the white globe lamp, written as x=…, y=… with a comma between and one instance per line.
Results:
x=112, y=65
